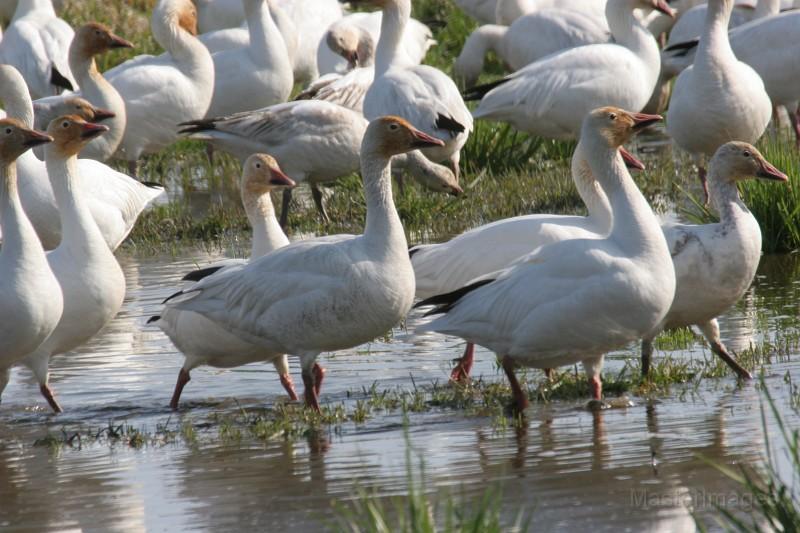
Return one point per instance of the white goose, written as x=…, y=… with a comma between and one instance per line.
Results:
x=215, y=15
x=716, y=263
x=574, y=300
x=201, y=340
x=328, y=293
x=421, y=94
x=160, y=92
x=551, y=97
x=30, y=297
x=719, y=98
x=90, y=40
x=91, y=280
x=114, y=199
x=254, y=76
x=507, y=11
x=530, y=38
x=481, y=10
x=36, y=43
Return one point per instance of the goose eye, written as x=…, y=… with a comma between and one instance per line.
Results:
x=258, y=165
x=65, y=124
x=746, y=153
x=8, y=131
x=612, y=116
x=393, y=126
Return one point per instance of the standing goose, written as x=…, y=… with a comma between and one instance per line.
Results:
x=716, y=263
x=329, y=293
x=574, y=300
x=421, y=94
x=719, y=98
x=30, y=297
x=551, y=97
x=201, y=340
x=90, y=40
x=91, y=280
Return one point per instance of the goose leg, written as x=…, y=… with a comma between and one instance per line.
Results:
x=710, y=331
x=701, y=172
x=316, y=194
x=593, y=367
x=310, y=392
x=281, y=365
x=47, y=392
x=183, y=379
x=647, y=353
x=319, y=375
x=287, y=199
x=464, y=366
x=520, y=397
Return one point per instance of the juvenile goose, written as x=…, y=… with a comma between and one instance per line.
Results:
x=30, y=297
x=716, y=263
x=328, y=293
x=202, y=341
x=161, y=92
x=46, y=109
x=91, y=280
x=90, y=40
x=717, y=99
x=573, y=300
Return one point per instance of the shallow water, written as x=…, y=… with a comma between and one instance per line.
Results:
x=623, y=469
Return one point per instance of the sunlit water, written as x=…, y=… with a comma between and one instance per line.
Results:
x=622, y=469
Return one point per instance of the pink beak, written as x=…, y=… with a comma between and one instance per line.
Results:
x=662, y=6
x=630, y=160
x=92, y=130
x=769, y=172
x=421, y=140
x=279, y=179
x=642, y=120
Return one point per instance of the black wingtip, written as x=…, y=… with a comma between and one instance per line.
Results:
x=479, y=91
x=153, y=318
x=170, y=297
x=59, y=80
x=195, y=126
x=197, y=275
x=152, y=184
x=412, y=250
x=684, y=46
x=445, y=302
x=449, y=124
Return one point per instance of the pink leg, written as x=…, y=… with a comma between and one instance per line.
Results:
x=288, y=384
x=597, y=387
x=701, y=171
x=319, y=375
x=183, y=379
x=310, y=392
x=520, y=397
x=47, y=392
x=464, y=367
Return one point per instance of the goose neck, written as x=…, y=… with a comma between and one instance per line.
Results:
x=396, y=14
x=181, y=45
x=266, y=40
x=590, y=191
x=83, y=67
x=714, y=41
x=383, y=226
x=267, y=232
x=25, y=7
x=725, y=198
x=629, y=31
x=12, y=218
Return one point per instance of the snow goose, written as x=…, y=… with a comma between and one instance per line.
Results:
x=328, y=293
x=574, y=300
x=421, y=94
x=160, y=92
x=719, y=98
x=507, y=11
x=46, y=109
x=716, y=263
x=481, y=10
x=219, y=14
x=254, y=76
x=551, y=97
x=115, y=200
x=90, y=40
x=311, y=19
x=91, y=280
x=36, y=43
x=30, y=297
x=202, y=341
x=530, y=38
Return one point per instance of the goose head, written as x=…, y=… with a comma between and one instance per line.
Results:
x=15, y=139
x=94, y=38
x=71, y=133
x=171, y=15
x=75, y=105
x=352, y=43
x=390, y=135
x=735, y=161
x=261, y=174
x=654, y=5
x=616, y=126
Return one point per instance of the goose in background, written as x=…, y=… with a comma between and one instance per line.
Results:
x=507, y=11
x=573, y=301
x=90, y=40
x=328, y=293
x=215, y=15
x=481, y=10
x=716, y=263
x=311, y=18
x=423, y=95
x=36, y=43
x=30, y=296
x=717, y=99
x=91, y=280
x=202, y=341
x=254, y=76
x=551, y=97
x=162, y=91
x=114, y=199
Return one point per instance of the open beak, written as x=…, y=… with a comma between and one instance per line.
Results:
x=91, y=130
x=35, y=138
x=422, y=140
x=769, y=172
x=663, y=7
x=642, y=120
x=278, y=179
x=630, y=160
x=119, y=42
x=102, y=114
x=352, y=60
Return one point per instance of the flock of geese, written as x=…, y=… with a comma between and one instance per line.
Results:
x=539, y=290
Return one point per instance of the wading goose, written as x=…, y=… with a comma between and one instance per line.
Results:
x=91, y=279
x=257, y=75
x=114, y=199
x=202, y=341
x=161, y=92
x=719, y=98
x=328, y=293
x=90, y=40
x=530, y=38
x=30, y=296
x=36, y=43
x=574, y=300
x=421, y=94
x=716, y=263
x=551, y=97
